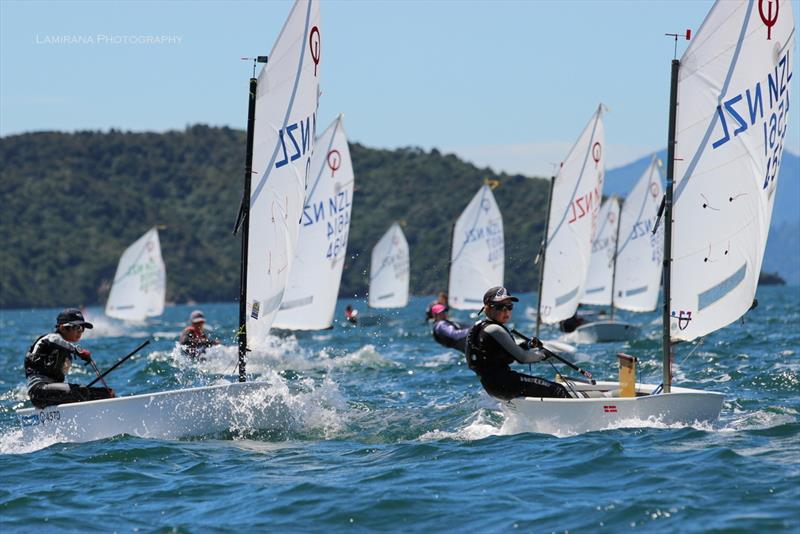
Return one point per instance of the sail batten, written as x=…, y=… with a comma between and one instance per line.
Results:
x=478, y=251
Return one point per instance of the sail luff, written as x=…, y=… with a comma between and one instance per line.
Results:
x=241, y=333
x=543, y=256
x=666, y=344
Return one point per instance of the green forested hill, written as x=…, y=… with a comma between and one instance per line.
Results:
x=71, y=203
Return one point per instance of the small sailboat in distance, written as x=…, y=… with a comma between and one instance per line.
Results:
x=717, y=209
x=140, y=283
x=283, y=98
x=389, y=270
x=313, y=287
x=629, y=278
x=574, y=201
x=477, y=258
x=640, y=252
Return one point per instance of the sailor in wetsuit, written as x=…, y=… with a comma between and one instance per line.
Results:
x=49, y=359
x=446, y=332
x=491, y=348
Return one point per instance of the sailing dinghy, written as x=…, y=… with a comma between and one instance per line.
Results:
x=310, y=298
x=572, y=207
x=627, y=275
x=140, y=283
x=722, y=167
x=389, y=270
x=477, y=257
x=280, y=136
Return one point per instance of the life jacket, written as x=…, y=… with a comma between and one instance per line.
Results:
x=50, y=360
x=484, y=354
x=194, y=337
x=444, y=340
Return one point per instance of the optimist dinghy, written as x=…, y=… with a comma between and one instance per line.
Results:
x=629, y=277
x=283, y=98
x=389, y=272
x=175, y=414
x=572, y=207
x=717, y=208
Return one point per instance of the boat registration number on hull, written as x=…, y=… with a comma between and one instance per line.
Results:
x=40, y=418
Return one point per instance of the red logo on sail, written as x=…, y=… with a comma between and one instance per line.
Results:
x=314, y=45
x=334, y=161
x=654, y=189
x=769, y=19
x=597, y=151
x=609, y=408
x=683, y=317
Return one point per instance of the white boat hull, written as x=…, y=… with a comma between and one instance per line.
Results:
x=604, y=332
x=604, y=410
x=164, y=415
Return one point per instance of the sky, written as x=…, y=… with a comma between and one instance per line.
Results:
x=505, y=84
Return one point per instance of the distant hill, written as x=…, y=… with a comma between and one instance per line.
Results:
x=783, y=246
x=73, y=202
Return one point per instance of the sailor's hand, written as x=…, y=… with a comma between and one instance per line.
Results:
x=536, y=343
x=530, y=344
x=111, y=393
x=85, y=355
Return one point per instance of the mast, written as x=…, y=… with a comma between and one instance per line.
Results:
x=244, y=220
x=544, y=254
x=667, y=345
x=614, y=267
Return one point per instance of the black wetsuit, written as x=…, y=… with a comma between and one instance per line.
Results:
x=490, y=354
x=569, y=325
x=451, y=335
x=46, y=363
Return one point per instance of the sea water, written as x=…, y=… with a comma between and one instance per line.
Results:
x=389, y=431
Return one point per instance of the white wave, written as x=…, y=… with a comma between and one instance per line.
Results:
x=483, y=424
x=517, y=425
x=760, y=419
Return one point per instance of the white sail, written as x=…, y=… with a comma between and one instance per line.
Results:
x=283, y=142
x=577, y=191
x=478, y=252
x=310, y=298
x=640, y=253
x=732, y=115
x=601, y=267
x=389, y=270
x=140, y=283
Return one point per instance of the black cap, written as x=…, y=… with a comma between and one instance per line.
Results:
x=72, y=317
x=498, y=294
